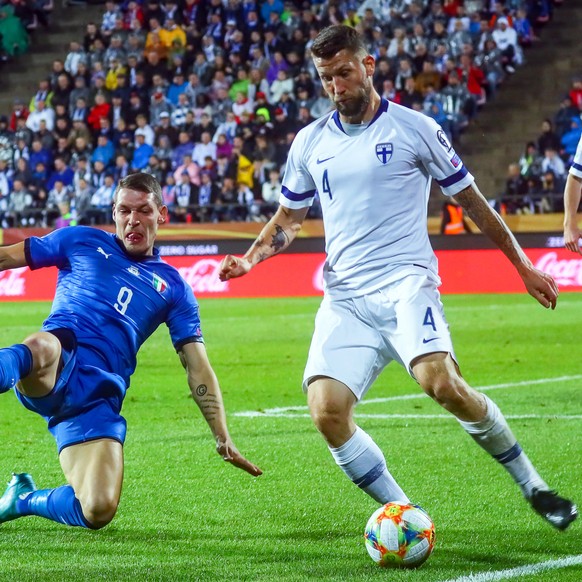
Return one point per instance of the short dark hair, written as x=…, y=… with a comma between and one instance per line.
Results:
x=335, y=38
x=141, y=182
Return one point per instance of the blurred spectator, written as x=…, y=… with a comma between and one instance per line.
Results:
x=83, y=196
x=523, y=28
x=100, y=109
x=548, y=139
x=142, y=152
x=530, y=162
x=453, y=220
x=551, y=161
x=41, y=113
x=184, y=198
x=564, y=115
x=505, y=38
x=270, y=192
x=39, y=154
x=570, y=139
x=104, y=152
x=13, y=36
x=18, y=208
x=456, y=104
x=185, y=147
x=409, y=95
x=515, y=199
x=490, y=62
x=207, y=197
x=575, y=93
x=191, y=168
x=205, y=147
x=75, y=56
x=99, y=212
x=19, y=111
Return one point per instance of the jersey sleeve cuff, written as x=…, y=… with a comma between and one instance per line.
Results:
x=195, y=339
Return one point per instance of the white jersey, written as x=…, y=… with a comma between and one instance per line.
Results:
x=374, y=190
x=576, y=167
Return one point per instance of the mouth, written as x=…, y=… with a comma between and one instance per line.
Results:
x=134, y=237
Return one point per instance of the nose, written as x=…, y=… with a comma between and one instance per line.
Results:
x=133, y=218
x=337, y=86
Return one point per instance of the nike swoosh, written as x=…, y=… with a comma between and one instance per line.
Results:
x=324, y=160
x=426, y=341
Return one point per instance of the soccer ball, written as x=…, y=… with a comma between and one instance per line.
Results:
x=399, y=535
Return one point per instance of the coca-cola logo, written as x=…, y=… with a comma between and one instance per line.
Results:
x=566, y=272
x=202, y=276
x=13, y=283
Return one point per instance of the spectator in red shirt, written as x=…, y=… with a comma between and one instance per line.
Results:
x=99, y=110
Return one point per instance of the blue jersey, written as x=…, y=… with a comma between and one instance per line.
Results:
x=111, y=300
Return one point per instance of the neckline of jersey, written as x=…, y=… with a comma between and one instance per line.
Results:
x=383, y=108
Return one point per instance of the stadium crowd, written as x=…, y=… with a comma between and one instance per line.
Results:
x=535, y=183
x=207, y=96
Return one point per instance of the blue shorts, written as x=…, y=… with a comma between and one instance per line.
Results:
x=86, y=401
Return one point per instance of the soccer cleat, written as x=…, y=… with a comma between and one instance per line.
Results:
x=20, y=484
x=558, y=511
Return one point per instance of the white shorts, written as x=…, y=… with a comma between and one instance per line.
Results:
x=355, y=339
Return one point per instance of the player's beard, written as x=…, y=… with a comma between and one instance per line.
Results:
x=355, y=107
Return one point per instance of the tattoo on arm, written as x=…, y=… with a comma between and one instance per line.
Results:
x=210, y=407
x=201, y=390
x=279, y=240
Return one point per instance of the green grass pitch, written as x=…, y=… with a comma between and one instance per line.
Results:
x=187, y=515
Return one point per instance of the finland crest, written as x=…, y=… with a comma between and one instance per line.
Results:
x=384, y=152
x=159, y=284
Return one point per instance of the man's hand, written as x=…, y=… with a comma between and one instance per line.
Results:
x=227, y=450
x=541, y=286
x=232, y=267
x=572, y=238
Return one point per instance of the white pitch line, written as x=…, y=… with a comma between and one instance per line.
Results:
x=280, y=411
x=257, y=414
x=520, y=570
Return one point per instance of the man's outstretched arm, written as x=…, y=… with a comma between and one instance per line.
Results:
x=277, y=235
x=12, y=256
x=206, y=392
x=539, y=285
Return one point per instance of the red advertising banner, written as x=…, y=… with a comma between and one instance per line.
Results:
x=297, y=275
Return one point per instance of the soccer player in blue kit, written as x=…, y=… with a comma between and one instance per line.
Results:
x=372, y=162
x=113, y=291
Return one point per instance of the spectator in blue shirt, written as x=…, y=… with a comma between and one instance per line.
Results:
x=143, y=151
x=40, y=154
x=105, y=151
x=177, y=86
x=61, y=172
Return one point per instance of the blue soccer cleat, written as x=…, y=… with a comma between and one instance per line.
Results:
x=20, y=484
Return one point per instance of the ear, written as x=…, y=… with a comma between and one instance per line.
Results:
x=163, y=214
x=369, y=63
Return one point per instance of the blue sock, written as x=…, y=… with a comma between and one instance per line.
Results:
x=15, y=363
x=58, y=505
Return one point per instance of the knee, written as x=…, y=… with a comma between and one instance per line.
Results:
x=449, y=390
x=45, y=349
x=328, y=416
x=99, y=509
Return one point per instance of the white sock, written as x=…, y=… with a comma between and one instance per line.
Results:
x=494, y=435
x=362, y=461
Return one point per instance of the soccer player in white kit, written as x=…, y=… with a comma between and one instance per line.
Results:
x=572, y=195
x=371, y=162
